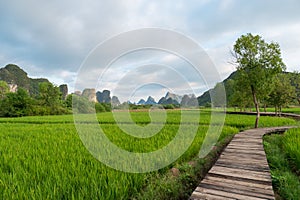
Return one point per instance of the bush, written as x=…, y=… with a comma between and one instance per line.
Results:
x=99, y=108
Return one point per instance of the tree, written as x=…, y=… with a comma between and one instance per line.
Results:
x=16, y=104
x=258, y=63
x=4, y=89
x=217, y=95
x=81, y=104
x=295, y=81
x=283, y=92
x=50, y=101
x=49, y=95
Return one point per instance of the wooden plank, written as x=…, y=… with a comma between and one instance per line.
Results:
x=254, y=166
x=246, y=148
x=247, y=139
x=198, y=195
x=246, y=167
x=246, y=152
x=240, y=179
x=238, y=182
x=241, y=135
x=225, y=194
x=243, y=156
x=236, y=185
x=241, y=190
x=244, y=145
x=242, y=159
x=263, y=176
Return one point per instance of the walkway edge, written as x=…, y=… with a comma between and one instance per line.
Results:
x=242, y=170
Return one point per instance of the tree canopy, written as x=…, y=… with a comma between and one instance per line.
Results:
x=258, y=63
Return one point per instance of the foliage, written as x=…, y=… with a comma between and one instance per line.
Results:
x=258, y=62
x=81, y=104
x=291, y=143
x=4, y=89
x=43, y=157
x=49, y=95
x=283, y=92
x=285, y=182
x=102, y=107
x=16, y=104
x=295, y=82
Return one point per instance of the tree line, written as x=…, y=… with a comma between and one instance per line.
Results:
x=48, y=101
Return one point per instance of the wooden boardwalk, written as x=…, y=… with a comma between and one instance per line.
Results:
x=290, y=115
x=242, y=171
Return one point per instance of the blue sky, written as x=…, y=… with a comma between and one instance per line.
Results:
x=52, y=38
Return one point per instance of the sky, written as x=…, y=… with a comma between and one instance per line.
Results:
x=55, y=39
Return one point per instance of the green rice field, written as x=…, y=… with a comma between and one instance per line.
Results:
x=283, y=153
x=44, y=158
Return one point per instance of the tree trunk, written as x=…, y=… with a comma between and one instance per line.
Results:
x=256, y=106
x=280, y=108
x=265, y=107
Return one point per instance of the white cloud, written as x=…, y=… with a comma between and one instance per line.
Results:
x=51, y=39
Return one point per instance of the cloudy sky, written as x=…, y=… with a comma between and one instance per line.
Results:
x=52, y=39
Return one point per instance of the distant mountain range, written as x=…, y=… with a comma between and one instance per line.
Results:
x=170, y=98
x=16, y=77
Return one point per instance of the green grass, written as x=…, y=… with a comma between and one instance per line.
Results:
x=283, y=155
x=44, y=158
x=291, y=143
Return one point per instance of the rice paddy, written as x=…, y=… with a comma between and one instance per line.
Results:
x=44, y=158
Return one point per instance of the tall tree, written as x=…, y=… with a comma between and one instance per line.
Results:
x=258, y=63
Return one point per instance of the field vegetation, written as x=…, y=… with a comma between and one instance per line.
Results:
x=283, y=153
x=42, y=157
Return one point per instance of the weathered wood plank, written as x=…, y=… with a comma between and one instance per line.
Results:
x=246, y=167
x=227, y=194
x=245, y=152
x=240, y=179
x=240, y=173
x=241, y=190
x=241, y=159
x=238, y=182
x=198, y=195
